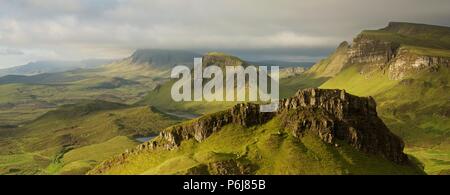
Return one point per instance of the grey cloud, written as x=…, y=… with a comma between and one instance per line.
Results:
x=107, y=28
x=11, y=52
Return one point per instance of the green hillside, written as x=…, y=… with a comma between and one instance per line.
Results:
x=265, y=149
x=423, y=35
x=416, y=106
x=274, y=146
x=24, y=98
x=78, y=136
x=332, y=65
x=160, y=97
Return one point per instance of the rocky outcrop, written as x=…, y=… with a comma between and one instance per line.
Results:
x=376, y=54
x=406, y=63
x=333, y=115
x=336, y=115
x=199, y=129
x=398, y=51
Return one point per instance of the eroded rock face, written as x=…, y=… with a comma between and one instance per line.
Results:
x=397, y=61
x=332, y=115
x=200, y=129
x=336, y=115
x=375, y=53
x=407, y=63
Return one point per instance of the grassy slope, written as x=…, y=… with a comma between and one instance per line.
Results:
x=267, y=149
x=331, y=65
x=161, y=96
x=414, y=109
x=26, y=98
x=422, y=35
x=108, y=128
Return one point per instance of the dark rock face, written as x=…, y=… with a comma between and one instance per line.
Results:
x=334, y=114
x=393, y=58
x=376, y=52
x=241, y=114
x=330, y=114
x=406, y=63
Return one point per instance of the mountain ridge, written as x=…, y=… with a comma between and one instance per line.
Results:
x=310, y=112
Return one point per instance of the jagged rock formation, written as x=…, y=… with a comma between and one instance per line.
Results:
x=406, y=63
x=200, y=129
x=399, y=50
x=376, y=53
x=337, y=115
x=397, y=60
x=330, y=114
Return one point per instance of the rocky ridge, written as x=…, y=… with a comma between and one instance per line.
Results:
x=399, y=50
x=393, y=58
x=332, y=115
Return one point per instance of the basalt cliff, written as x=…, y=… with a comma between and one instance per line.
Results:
x=399, y=50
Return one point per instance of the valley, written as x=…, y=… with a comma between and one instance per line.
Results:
x=92, y=120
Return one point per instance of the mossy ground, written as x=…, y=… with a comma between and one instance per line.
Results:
x=413, y=108
x=266, y=149
x=74, y=138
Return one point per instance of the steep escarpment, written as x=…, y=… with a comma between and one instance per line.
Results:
x=401, y=49
x=405, y=67
x=337, y=115
x=332, y=65
x=332, y=116
x=408, y=62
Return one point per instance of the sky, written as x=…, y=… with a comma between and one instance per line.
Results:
x=290, y=30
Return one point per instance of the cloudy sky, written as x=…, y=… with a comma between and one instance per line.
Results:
x=295, y=30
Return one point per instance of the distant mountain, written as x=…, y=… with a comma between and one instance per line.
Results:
x=282, y=64
x=41, y=67
x=160, y=58
x=160, y=97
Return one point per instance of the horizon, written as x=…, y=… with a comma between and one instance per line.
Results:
x=305, y=31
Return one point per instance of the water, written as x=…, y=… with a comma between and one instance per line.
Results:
x=182, y=115
x=144, y=139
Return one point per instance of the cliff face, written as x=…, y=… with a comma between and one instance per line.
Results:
x=397, y=61
x=399, y=50
x=336, y=115
x=333, y=115
x=330, y=114
x=374, y=53
x=406, y=63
